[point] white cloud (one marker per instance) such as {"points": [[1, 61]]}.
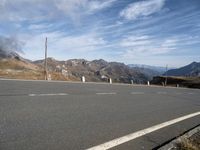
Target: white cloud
{"points": [[81, 43], [2, 3], [38, 26], [142, 46], [71, 8], [78, 8], [145, 47], [98, 5], [135, 41], [142, 9], [22, 10], [42, 10], [169, 44], [187, 40], [62, 46]]}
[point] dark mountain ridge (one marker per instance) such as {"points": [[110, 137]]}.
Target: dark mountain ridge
{"points": [[191, 70]]}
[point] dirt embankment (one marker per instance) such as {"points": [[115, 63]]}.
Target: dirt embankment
{"points": [[188, 141], [190, 82]]}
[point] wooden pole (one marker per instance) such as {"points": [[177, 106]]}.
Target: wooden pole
{"points": [[45, 61], [166, 75]]}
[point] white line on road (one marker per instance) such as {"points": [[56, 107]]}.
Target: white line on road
{"points": [[178, 93], [137, 93], [190, 93], [112, 93], [161, 92], [55, 94], [140, 133]]}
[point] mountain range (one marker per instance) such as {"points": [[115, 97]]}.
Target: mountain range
{"points": [[12, 65], [96, 70]]}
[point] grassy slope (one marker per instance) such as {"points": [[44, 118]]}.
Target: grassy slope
{"points": [[18, 69]]}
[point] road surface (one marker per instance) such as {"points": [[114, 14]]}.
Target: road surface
{"points": [[36, 115]]}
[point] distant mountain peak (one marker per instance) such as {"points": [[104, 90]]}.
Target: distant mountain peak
{"points": [[192, 69], [159, 69]]}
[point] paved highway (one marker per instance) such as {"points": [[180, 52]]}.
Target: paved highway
{"points": [[36, 115]]}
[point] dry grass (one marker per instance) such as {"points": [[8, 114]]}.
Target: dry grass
{"points": [[192, 143], [21, 74], [33, 75], [15, 69], [17, 65], [197, 79], [59, 76]]}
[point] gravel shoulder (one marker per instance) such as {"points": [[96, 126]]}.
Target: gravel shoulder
{"points": [[188, 141]]}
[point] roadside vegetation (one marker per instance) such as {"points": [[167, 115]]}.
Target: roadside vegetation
{"points": [[188, 144]]}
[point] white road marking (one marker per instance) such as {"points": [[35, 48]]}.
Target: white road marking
{"points": [[190, 93], [55, 94], [140, 133], [137, 93], [178, 93], [161, 92], [111, 93]]}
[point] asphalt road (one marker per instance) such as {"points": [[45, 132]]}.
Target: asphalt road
{"points": [[73, 116]]}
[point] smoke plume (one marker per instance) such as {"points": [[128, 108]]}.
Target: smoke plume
{"points": [[10, 46]]}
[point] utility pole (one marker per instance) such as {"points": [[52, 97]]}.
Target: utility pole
{"points": [[166, 75], [45, 61]]}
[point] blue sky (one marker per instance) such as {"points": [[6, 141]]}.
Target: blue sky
{"points": [[153, 32]]}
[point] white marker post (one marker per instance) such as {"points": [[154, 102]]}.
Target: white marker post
{"points": [[148, 83], [110, 81], [131, 81], [83, 79], [49, 77]]}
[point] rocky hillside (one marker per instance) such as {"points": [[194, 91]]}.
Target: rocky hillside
{"points": [[13, 65], [149, 73], [96, 70], [191, 70]]}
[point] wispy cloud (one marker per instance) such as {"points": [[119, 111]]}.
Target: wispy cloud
{"points": [[76, 9], [140, 47], [147, 46], [22, 10], [42, 10], [98, 5], [132, 41], [40, 27], [110, 29], [2, 3], [142, 9], [59, 43]]}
